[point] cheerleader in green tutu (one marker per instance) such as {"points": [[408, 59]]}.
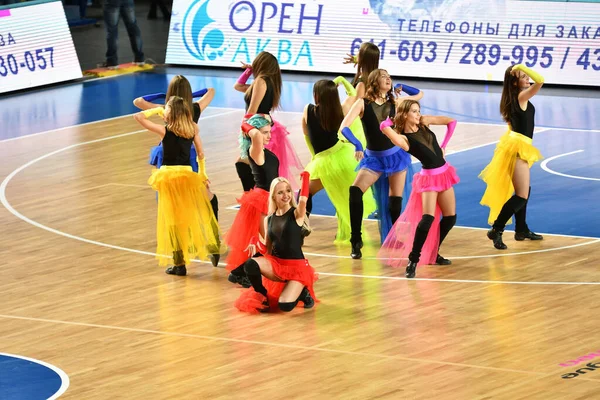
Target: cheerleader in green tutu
{"points": [[333, 163]]}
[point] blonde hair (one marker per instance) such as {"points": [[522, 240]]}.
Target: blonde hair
{"points": [[180, 118], [273, 204]]}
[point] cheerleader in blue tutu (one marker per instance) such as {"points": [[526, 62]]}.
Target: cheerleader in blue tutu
{"points": [[382, 165]]}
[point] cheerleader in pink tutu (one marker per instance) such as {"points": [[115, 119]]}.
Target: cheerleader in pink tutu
{"points": [[262, 96], [432, 192], [283, 277], [254, 204]]}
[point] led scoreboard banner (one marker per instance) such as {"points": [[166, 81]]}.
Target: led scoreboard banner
{"points": [[36, 47], [456, 39]]}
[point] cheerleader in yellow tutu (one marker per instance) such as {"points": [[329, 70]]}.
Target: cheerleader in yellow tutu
{"points": [[186, 227], [333, 164], [508, 171]]}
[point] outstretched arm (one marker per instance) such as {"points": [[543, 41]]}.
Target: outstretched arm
{"points": [[146, 102], [396, 138]]}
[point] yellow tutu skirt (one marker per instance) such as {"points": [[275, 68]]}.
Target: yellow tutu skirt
{"points": [[335, 167], [499, 172], [186, 226]]}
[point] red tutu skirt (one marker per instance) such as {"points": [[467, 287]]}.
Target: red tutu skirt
{"points": [[286, 270], [290, 165], [398, 243], [253, 205]]}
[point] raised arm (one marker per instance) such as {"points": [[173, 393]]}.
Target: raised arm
{"points": [[142, 119], [241, 85], [412, 92], [256, 146], [350, 90], [206, 96], [300, 211], [532, 90], [441, 120]]}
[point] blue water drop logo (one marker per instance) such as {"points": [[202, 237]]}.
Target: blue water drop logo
{"points": [[207, 43]]}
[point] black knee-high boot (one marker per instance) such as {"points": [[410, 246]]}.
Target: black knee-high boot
{"points": [[446, 224], [521, 216], [245, 174], [395, 207], [420, 236], [522, 231], [215, 252], [512, 206], [253, 272], [356, 215]]}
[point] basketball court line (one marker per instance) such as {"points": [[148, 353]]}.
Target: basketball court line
{"points": [[316, 348], [9, 207], [544, 166]]}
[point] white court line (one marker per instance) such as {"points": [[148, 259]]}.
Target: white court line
{"points": [[103, 120], [544, 166], [399, 278], [316, 348], [65, 382]]}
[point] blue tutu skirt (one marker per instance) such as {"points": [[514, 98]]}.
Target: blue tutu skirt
{"points": [[156, 157], [387, 162]]}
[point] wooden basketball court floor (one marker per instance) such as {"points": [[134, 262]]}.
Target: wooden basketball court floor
{"points": [[82, 291]]}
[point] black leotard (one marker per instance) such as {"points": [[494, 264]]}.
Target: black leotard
{"points": [[285, 235]]}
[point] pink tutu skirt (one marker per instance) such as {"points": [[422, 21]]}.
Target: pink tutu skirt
{"points": [[286, 270], [290, 165], [398, 243], [253, 205]]}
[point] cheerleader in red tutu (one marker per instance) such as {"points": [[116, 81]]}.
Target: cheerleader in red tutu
{"points": [[262, 96], [254, 204], [283, 277], [432, 192]]}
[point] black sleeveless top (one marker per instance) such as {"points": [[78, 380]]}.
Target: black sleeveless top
{"points": [[424, 146], [176, 150], [266, 104], [373, 115], [523, 121], [320, 139], [264, 174], [286, 236], [196, 112]]}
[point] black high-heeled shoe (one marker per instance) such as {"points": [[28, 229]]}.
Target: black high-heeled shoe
{"points": [[520, 236], [356, 246], [439, 260], [496, 237], [306, 298], [411, 269], [178, 270]]}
